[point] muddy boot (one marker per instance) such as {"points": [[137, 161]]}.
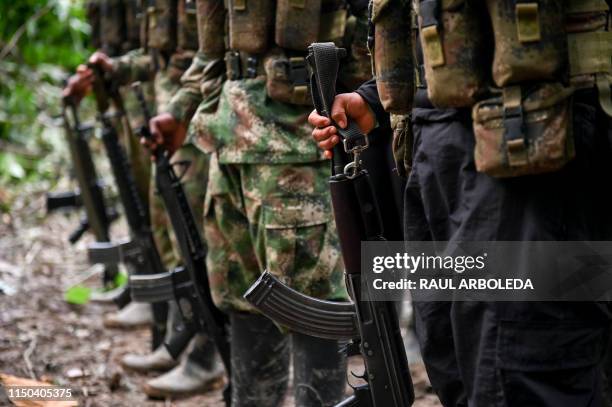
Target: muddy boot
{"points": [[160, 360], [165, 356], [319, 371], [199, 372], [260, 361], [133, 315]]}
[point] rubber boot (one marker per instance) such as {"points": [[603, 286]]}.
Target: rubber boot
{"points": [[319, 371], [165, 356], [199, 372], [133, 315], [260, 361]]}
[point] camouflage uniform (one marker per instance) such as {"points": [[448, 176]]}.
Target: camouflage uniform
{"points": [[164, 73], [117, 33], [267, 207]]}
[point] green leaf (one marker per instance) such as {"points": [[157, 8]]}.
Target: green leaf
{"points": [[121, 279], [78, 295]]}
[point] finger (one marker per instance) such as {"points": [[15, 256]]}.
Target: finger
{"points": [[323, 134], [329, 143], [339, 112], [317, 120], [156, 134], [328, 154]]}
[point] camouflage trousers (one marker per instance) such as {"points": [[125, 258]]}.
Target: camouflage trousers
{"points": [[270, 217]]}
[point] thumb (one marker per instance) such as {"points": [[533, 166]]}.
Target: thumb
{"points": [[338, 111]]}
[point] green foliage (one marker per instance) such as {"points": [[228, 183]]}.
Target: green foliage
{"points": [[41, 41]]}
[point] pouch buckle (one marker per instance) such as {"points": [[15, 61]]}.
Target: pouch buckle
{"points": [[252, 62], [514, 126], [233, 65]]}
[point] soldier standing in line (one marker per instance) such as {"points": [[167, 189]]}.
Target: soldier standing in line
{"points": [[267, 192], [170, 41], [494, 79]]}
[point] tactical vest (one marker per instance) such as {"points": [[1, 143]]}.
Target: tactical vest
{"points": [[211, 18], [271, 38], [515, 63], [171, 25], [92, 9], [112, 26], [133, 16]]}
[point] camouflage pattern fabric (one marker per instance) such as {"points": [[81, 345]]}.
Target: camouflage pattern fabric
{"points": [[249, 127], [137, 154], [270, 217]]}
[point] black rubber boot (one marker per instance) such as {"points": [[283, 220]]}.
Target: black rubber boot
{"points": [[178, 334], [319, 371], [260, 361]]}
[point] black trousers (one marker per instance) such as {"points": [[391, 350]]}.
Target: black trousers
{"points": [[511, 354]]}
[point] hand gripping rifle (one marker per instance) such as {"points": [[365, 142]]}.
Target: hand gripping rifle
{"points": [[140, 253], [372, 327], [98, 217], [189, 284]]}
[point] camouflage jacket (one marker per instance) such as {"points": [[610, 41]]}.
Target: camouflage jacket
{"points": [[139, 65], [248, 126]]}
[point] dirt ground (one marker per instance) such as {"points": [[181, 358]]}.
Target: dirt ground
{"points": [[44, 338]]}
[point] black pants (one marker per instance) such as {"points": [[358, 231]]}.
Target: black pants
{"points": [[510, 354]]}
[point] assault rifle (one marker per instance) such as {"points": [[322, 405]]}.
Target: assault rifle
{"points": [[139, 253], [189, 284], [372, 327], [98, 217]]}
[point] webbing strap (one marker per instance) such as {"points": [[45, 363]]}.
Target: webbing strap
{"points": [[429, 11], [528, 21], [514, 126], [605, 95], [590, 52], [585, 6]]}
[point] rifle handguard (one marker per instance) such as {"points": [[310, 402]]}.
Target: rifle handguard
{"points": [[301, 313]]}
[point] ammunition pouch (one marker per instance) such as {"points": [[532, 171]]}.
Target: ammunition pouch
{"points": [[250, 23], [297, 23], [92, 10], [287, 78], [162, 25], [133, 16], [112, 26], [187, 31], [521, 134], [211, 22], [590, 48], [454, 42], [391, 51], [530, 41]]}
